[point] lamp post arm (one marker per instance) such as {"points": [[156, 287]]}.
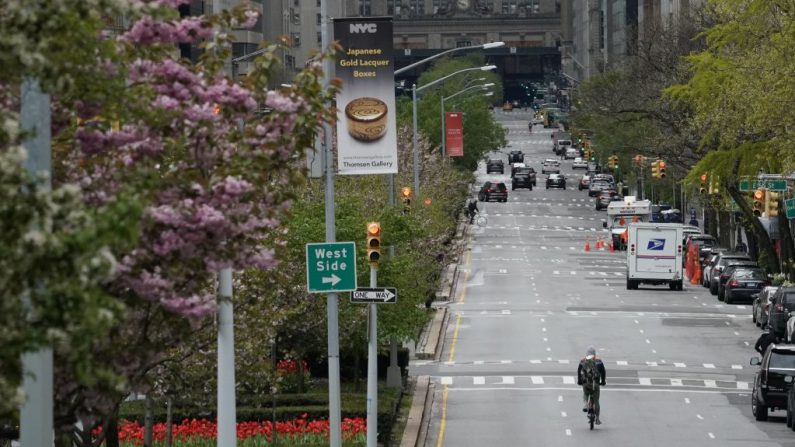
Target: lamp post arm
{"points": [[451, 50], [482, 86], [432, 83]]}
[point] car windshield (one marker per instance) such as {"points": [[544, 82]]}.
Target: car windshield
{"points": [[750, 274], [782, 360], [498, 186]]}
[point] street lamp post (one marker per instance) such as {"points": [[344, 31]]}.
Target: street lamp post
{"points": [[414, 91], [480, 86]]}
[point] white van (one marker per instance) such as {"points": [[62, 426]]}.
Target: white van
{"points": [[654, 255]]}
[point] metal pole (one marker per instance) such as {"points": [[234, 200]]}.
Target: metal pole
{"points": [[36, 416], [226, 362], [372, 367], [332, 305], [414, 141], [442, 140]]}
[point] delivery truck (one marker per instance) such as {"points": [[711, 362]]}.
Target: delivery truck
{"points": [[621, 213], [654, 254]]}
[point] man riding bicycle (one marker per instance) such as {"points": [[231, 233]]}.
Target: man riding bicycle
{"points": [[591, 375], [472, 209]]}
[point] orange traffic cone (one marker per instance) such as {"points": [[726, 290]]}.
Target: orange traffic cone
{"points": [[602, 244], [696, 277], [587, 245], [611, 247]]}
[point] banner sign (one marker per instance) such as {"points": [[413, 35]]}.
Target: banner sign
{"points": [[454, 134], [366, 124]]}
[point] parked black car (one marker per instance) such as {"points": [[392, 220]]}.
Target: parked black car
{"points": [[720, 264], [556, 181], [782, 303], [515, 157], [770, 388], [495, 166], [744, 283], [523, 178], [493, 191], [729, 271]]}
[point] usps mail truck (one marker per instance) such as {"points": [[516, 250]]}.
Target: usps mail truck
{"points": [[654, 254]]}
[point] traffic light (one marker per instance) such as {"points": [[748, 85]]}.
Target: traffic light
{"points": [[405, 194], [373, 243], [759, 202], [661, 168], [615, 162], [771, 204], [703, 188], [655, 169]]}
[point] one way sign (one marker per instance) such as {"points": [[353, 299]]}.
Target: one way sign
{"points": [[375, 295]]}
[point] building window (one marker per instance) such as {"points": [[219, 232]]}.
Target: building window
{"points": [[296, 39], [295, 16], [319, 38], [485, 5], [509, 6], [319, 19], [240, 49], [417, 7], [297, 3], [439, 6], [365, 7], [318, 3], [390, 7], [463, 43], [289, 61]]}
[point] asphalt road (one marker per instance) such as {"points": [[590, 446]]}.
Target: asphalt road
{"points": [[531, 300]]}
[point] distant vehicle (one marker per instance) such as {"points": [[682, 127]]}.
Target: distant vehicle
{"points": [[585, 181], [722, 262], [781, 304], [529, 175], [605, 197], [622, 213], [515, 157], [654, 254], [596, 186], [709, 262], [744, 283], [579, 163], [571, 153], [726, 274], [493, 191], [760, 310], [556, 181], [495, 166], [771, 385], [523, 178], [550, 166]]}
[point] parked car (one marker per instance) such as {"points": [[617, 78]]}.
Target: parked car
{"points": [[550, 166], [579, 163], [605, 197], [597, 186], [606, 177], [585, 181], [717, 268], [572, 153], [494, 165], [556, 181], [781, 304], [515, 157], [709, 262], [744, 283], [523, 178], [770, 388], [727, 272], [760, 309]]}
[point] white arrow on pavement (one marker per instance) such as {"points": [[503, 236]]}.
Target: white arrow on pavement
{"points": [[334, 279]]}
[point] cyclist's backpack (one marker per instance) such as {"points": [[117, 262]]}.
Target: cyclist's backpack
{"points": [[590, 373]]}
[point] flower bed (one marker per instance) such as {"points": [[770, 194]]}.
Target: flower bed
{"points": [[202, 432]]}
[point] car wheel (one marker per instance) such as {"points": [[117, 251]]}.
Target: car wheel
{"points": [[753, 315], [759, 411], [547, 186], [727, 297], [720, 295], [713, 289], [789, 415], [513, 188]]}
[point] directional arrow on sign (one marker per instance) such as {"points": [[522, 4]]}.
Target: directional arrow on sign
{"points": [[374, 295], [333, 279]]}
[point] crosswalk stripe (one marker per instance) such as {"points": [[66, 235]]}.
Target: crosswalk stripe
{"points": [[537, 380], [479, 380], [508, 380], [568, 380], [709, 365], [742, 385], [676, 382], [644, 381], [621, 363], [447, 380], [710, 384], [680, 365]]}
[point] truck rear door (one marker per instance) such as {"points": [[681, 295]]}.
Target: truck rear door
{"points": [[656, 250]]}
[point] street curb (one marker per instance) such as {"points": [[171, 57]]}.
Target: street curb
{"points": [[416, 416], [432, 335]]}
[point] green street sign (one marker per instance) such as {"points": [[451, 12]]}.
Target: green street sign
{"points": [[789, 206], [330, 267], [772, 185]]}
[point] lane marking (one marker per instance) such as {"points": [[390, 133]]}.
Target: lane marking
{"points": [[560, 398], [709, 365], [676, 382], [687, 400], [508, 380], [447, 380], [680, 365], [711, 435], [710, 384], [742, 385], [443, 423], [568, 432], [479, 380], [537, 380], [644, 381], [568, 380], [700, 417]]}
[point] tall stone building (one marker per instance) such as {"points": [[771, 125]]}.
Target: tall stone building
{"points": [[531, 30]]}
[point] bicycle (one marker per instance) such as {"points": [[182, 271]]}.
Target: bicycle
{"points": [[481, 220], [591, 412]]}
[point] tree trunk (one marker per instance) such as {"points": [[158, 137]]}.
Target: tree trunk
{"points": [[711, 225], [724, 229], [148, 421], [300, 376], [169, 428], [111, 429], [753, 246], [768, 253]]}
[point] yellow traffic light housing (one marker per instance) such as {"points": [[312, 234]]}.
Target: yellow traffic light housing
{"points": [[760, 198], [771, 203], [405, 194], [655, 169], [661, 168], [703, 188], [373, 243]]}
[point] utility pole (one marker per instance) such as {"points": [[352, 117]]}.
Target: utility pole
{"points": [[332, 303], [372, 366], [36, 416]]}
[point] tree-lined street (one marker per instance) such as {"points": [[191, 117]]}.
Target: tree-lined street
{"points": [[530, 301]]}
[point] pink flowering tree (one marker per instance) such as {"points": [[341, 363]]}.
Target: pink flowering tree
{"points": [[211, 160]]}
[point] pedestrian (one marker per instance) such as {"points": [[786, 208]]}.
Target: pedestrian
{"points": [[766, 339], [472, 209], [741, 247], [694, 222]]}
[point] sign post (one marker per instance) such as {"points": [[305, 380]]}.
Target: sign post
{"points": [[330, 267]]}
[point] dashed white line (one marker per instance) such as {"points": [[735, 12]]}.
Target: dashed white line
{"points": [[644, 381], [560, 398], [687, 400], [479, 380], [568, 380], [506, 362], [508, 380], [676, 382], [537, 380], [709, 365], [710, 384], [621, 363], [568, 432], [680, 365], [563, 414], [447, 380], [711, 435]]}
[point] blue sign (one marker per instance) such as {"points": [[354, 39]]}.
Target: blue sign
{"points": [[656, 244]]}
